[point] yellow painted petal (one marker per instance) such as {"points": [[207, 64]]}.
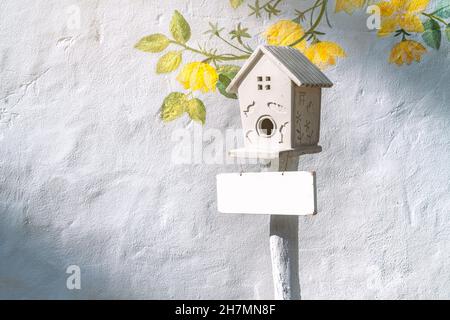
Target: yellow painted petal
{"points": [[284, 33], [411, 23], [324, 54], [400, 5], [388, 25], [348, 6], [198, 76], [195, 78], [417, 6], [386, 8], [210, 80], [406, 52], [183, 76]]}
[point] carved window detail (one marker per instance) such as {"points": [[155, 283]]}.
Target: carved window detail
{"points": [[263, 82]]}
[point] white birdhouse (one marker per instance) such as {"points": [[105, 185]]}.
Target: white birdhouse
{"points": [[279, 92]]}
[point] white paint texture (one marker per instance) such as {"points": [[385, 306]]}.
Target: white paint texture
{"points": [[86, 176]]}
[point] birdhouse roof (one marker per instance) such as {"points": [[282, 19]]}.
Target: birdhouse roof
{"points": [[291, 61]]}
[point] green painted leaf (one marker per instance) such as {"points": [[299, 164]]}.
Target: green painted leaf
{"points": [[447, 32], [444, 9], [223, 84], [226, 74], [196, 110], [169, 62], [153, 43], [173, 106], [432, 34], [179, 27], [236, 3], [443, 13]]}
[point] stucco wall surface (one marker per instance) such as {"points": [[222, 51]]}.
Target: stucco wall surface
{"points": [[87, 177]]}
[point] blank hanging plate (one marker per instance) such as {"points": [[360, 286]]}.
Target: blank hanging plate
{"points": [[276, 193]]}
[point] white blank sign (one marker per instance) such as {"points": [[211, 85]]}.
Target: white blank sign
{"points": [[288, 193]]}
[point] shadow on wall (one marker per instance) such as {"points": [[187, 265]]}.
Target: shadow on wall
{"points": [[34, 260], [38, 242]]}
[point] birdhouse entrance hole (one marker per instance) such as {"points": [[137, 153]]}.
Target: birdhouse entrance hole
{"points": [[266, 126]]}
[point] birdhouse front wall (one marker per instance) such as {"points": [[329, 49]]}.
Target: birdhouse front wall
{"points": [[265, 99], [306, 116]]}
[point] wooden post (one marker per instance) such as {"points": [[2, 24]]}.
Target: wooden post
{"points": [[284, 242]]}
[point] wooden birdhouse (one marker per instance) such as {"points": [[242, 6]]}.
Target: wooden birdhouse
{"points": [[279, 92]]}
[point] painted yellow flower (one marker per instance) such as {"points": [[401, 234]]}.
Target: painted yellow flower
{"points": [[407, 51], [198, 76], [401, 14], [349, 6], [285, 33], [324, 53]]}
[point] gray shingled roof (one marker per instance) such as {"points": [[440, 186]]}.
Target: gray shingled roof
{"points": [[296, 66]]}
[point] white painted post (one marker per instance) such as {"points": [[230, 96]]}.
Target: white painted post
{"points": [[284, 242]]}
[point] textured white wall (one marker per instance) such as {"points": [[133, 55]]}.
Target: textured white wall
{"points": [[86, 176]]}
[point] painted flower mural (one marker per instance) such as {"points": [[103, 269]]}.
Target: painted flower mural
{"points": [[401, 15], [285, 33], [407, 51], [410, 20], [324, 53], [198, 76]]}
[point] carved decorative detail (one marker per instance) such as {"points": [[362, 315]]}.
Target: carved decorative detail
{"points": [[247, 135], [301, 98], [250, 106], [298, 121], [276, 107], [310, 136], [307, 124], [282, 128]]}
